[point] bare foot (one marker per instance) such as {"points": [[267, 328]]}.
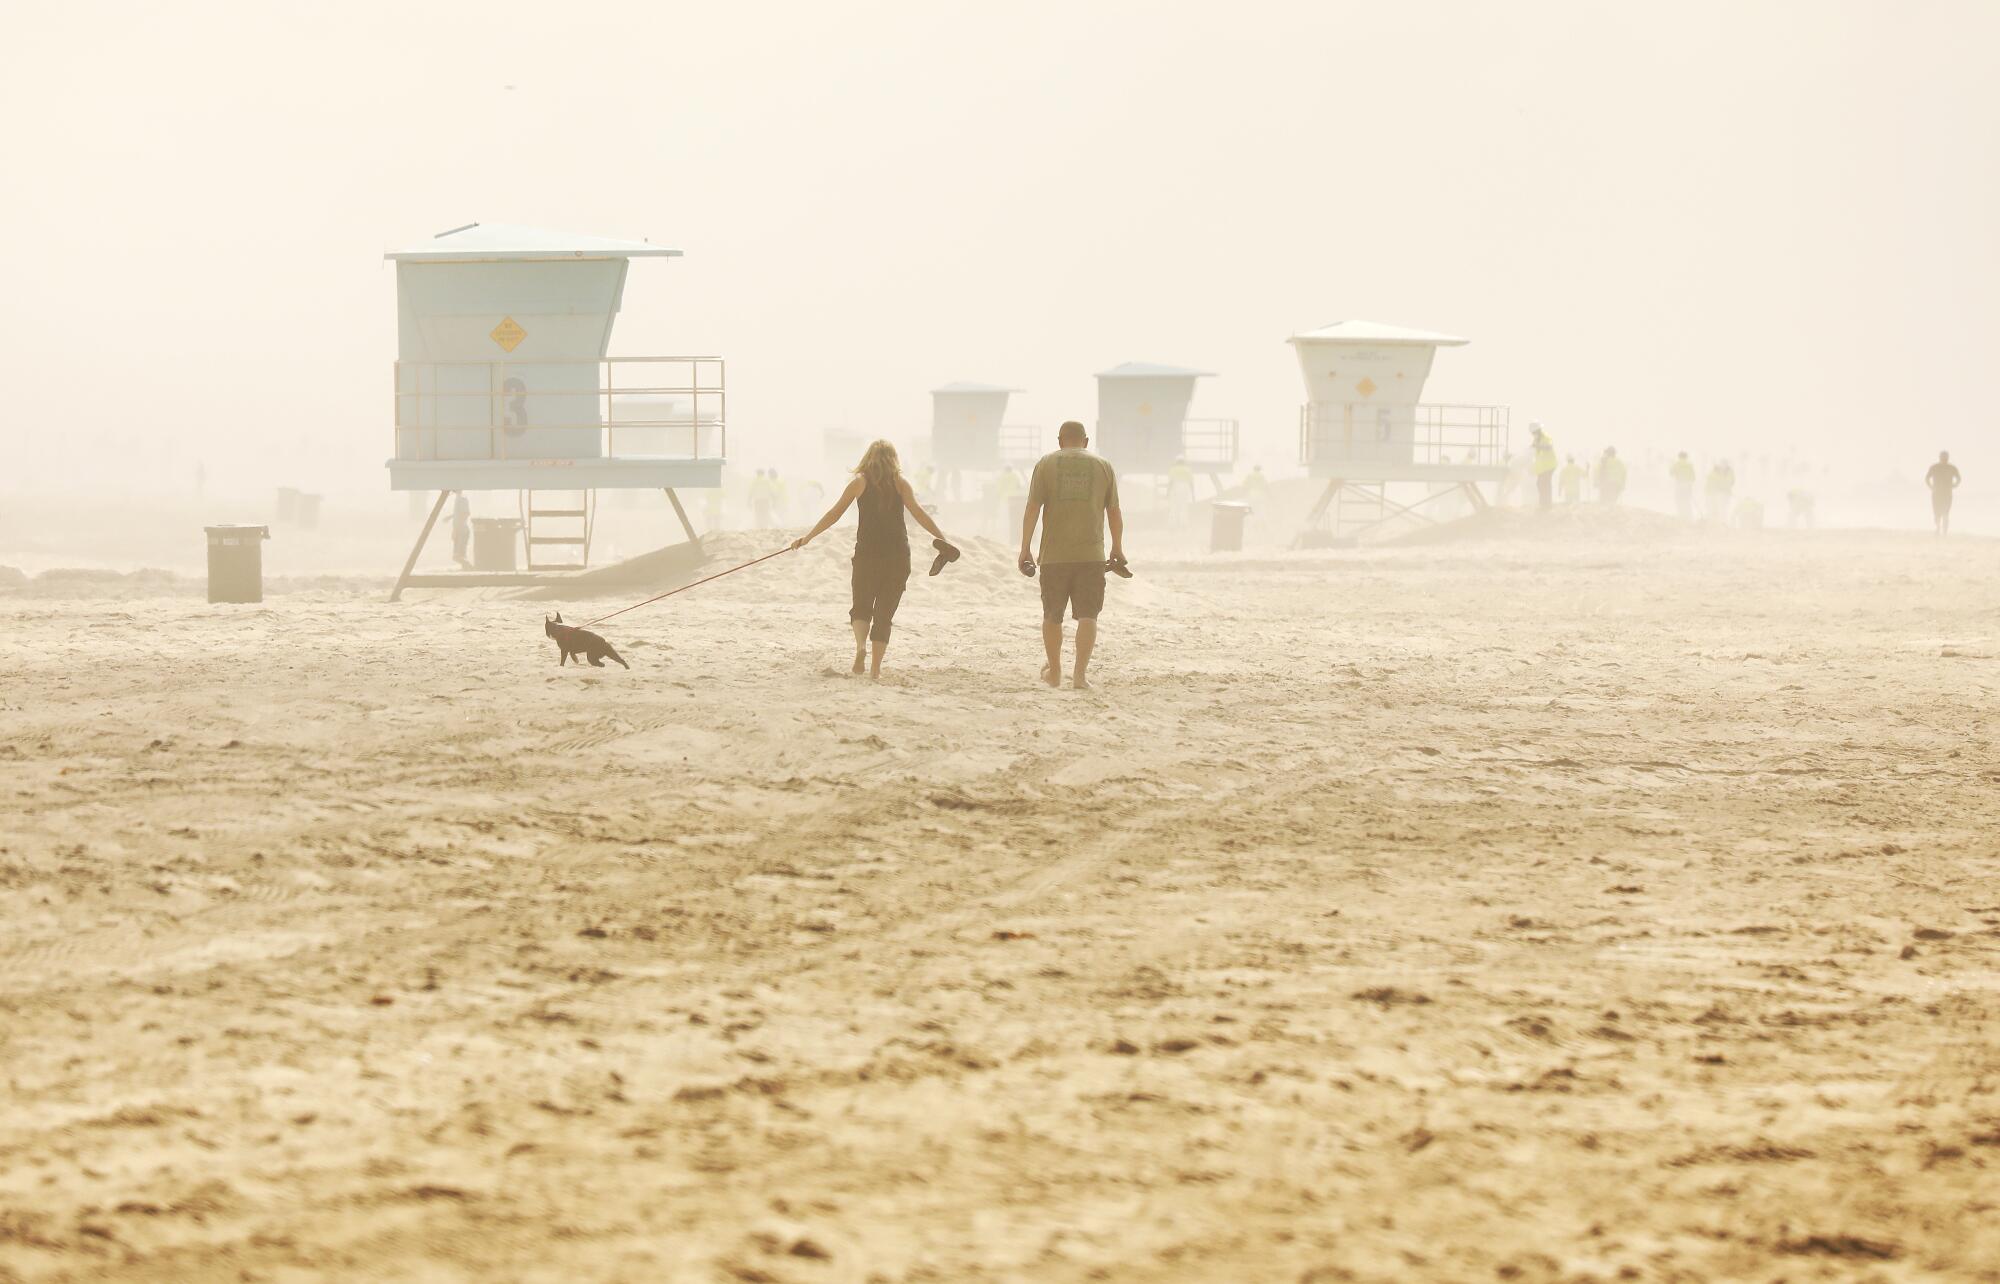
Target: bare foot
{"points": [[1078, 684], [860, 663], [1050, 677]]}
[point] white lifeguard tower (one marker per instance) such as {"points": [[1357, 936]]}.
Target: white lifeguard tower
{"points": [[1364, 425], [970, 432], [1143, 424], [505, 382]]}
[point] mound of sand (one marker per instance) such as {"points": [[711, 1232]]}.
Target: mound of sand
{"points": [[1577, 524]]}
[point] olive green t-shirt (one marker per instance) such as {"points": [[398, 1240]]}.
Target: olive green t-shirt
{"points": [[1074, 488]]}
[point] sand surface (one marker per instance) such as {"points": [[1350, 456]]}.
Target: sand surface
{"points": [[1580, 903]]}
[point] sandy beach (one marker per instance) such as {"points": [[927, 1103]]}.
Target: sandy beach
{"points": [[1582, 900]]}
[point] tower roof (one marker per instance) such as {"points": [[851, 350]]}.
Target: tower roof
{"points": [[1376, 332], [1147, 370], [505, 242], [963, 386]]}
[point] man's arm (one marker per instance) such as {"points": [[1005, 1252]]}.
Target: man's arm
{"points": [[1032, 510], [1115, 518], [1028, 517]]}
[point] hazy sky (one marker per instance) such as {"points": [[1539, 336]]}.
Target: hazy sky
{"points": [[1712, 224]]}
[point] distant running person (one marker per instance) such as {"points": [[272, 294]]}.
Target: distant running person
{"points": [[1943, 480], [881, 548], [1075, 493]]}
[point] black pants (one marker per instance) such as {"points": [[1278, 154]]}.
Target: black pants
{"points": [[878, 589]]}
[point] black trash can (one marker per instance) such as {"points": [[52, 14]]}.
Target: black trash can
{"points": [[493, 543], [236, 563], [1225, 531]]}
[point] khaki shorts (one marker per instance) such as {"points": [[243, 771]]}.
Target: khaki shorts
{"points": [[1076, 585]]}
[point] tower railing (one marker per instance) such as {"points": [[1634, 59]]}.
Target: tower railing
{"points": [[663, 407], [1209, 445], [1424, 435], [1022, 444]]}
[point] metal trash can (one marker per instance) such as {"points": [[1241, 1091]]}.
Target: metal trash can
{"points": [[1225, 530], [494, 540], [236, 563]]}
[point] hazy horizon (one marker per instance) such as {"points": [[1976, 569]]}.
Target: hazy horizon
{"points": [[1760, 228]]}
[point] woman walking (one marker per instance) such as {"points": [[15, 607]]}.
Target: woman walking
{"points": [[881, 548]]}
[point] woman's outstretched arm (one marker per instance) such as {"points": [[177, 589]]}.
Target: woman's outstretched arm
{"points": [[847, 497], [917, 510]]}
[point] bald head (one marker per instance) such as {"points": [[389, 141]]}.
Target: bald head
{"points": [[1072, 434]]}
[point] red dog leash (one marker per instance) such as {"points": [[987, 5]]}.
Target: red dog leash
{"points": [[685, 587]]}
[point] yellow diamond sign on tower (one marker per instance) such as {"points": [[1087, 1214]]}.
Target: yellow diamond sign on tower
{"points": [[1366, 387], [508, 334]]}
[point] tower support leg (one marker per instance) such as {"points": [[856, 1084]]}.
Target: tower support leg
{"points": [[682, 513], [1324, 502], [417, 549]]}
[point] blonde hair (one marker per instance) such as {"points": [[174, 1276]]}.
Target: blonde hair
{"points": [[879, 465]]}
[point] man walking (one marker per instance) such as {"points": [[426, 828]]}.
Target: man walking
{"points": [[1075, 494], [1943, 480]]}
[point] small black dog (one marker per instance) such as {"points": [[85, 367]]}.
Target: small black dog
{"points": [[571, 640]]}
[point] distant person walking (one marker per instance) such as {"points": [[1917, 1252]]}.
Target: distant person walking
{"points": [[1544, 451], [1572, 481], [1720, 486], [1075, 495], [1943, 479], [1180, 494], [1005, 487], [762, 491], [1682, 471], [1257, 487], [881, 548], [1610, 476], [461, 531]]}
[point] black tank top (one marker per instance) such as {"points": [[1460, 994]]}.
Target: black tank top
{"points": [[881, 534]]}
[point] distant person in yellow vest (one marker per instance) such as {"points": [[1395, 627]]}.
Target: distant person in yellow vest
{"points": [[1006, 488], [1610, 476], [1943, 479], [761, 492], [780, 497], [1572, 481], [1257, 487], [1544, 463], [1180, 494], [1720, 486], [1682, 471], [1800, 501]]}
